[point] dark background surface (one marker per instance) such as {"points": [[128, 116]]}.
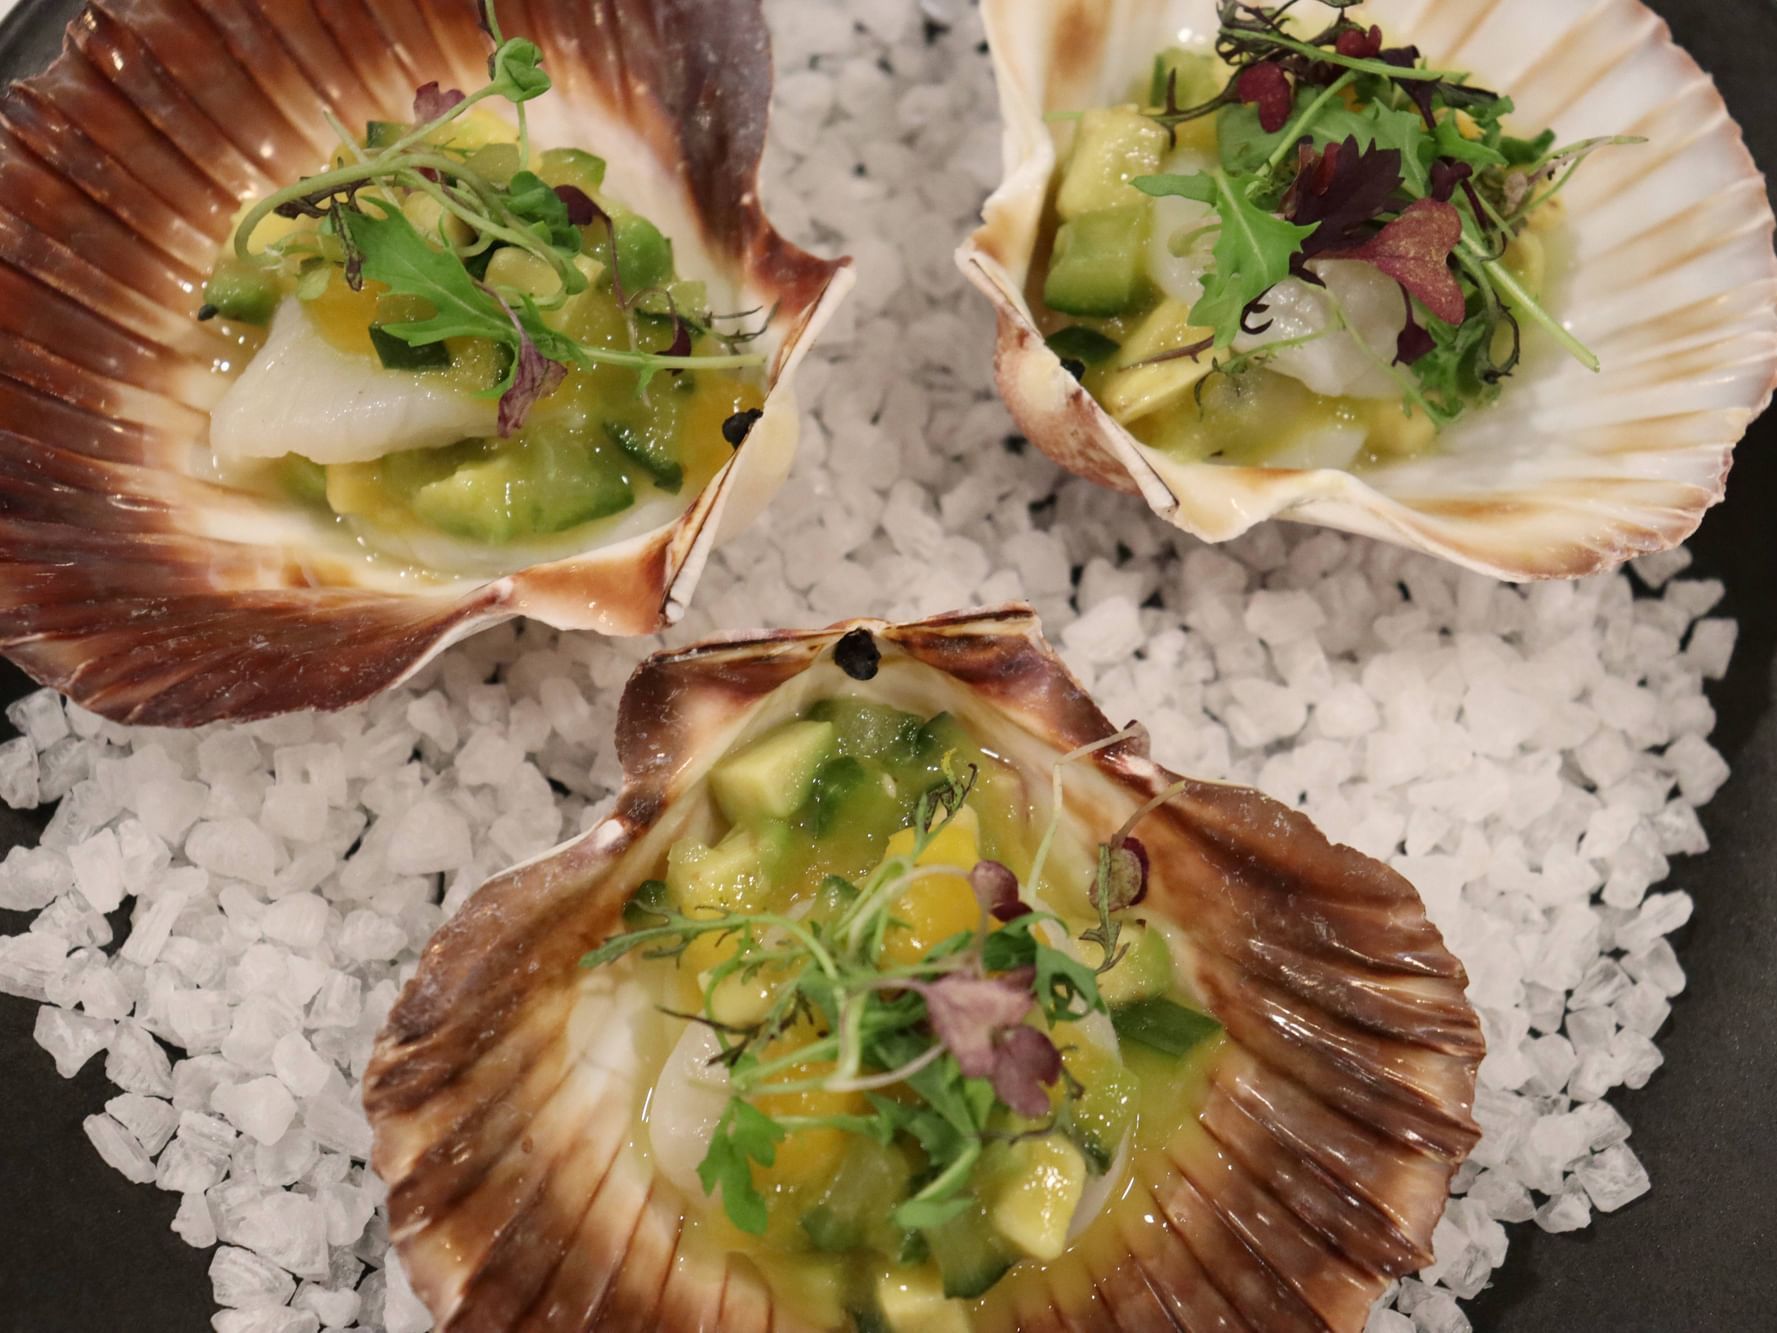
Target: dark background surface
{"points": [[83, 1250]]}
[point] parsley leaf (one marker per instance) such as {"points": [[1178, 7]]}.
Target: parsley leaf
{"points": [[744, 1135]]}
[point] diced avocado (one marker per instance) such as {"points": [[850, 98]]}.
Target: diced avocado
{"points": [[1099, 1118], [644, 256], [399, 354], [854, 1210], [1134, 389], [386, 133], [538, 484], [647, 904], [495, 162], [1164, 1025], [774, 775], [572, 166], [1145, 971], [652, 449], [243, 293], [1192, 75], [302, 480], [913, 1301], [970, 1255], [1034, 1194], [736, 873], [870, 731], [1113, 146], [1100, 264]]}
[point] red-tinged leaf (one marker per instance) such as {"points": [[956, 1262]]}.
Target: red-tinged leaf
{"points": [[996, 889], [1414, 250], [1025, 1063], [582, 211], [969, 1011], [1266, 86], [1360, 45], [431, 101], [1446, 176], [1415, 341], [1340, 192]]}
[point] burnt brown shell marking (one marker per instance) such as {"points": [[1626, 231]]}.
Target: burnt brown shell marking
{"points": [[151, 594], [1673, 284], [1318, 1164]]}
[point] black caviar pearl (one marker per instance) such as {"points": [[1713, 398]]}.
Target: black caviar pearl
{"points": [[857, 655], [736, 429]]}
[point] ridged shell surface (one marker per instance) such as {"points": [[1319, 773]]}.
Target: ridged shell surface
{"points": [[505, 1086], [148, 592], [1672, 282]]}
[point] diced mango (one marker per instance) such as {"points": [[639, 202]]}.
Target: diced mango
{"points": [[912, 1300], [1033, 1198], [1134, 390], [806, 1156], [934, 909]]}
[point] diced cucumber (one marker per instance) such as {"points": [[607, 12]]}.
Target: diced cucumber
{"points": [[1113, 146], [870, 731], [856, 797], [969, 1254], [913, 1301], [774, 775], [1164, 1025], [867, 1319], [386, 133], [302, 480], [243, 293], [854, 1210], [644, 255], [537, 484], [1033, 1197], [647, 904], [1197, 81], [1144, 972], [399, 354], [1100, 264], [572, 166], [736, 873], [1078, 343], [648, 448], [1099, 1118]]}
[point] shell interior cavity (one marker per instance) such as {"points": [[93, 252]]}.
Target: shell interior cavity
{"points": [[131, 577], [1672, 282], [1323, 1125]]}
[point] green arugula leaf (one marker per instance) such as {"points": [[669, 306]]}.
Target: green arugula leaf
{"points": [[1451, 144], [537, 204], [397, 255], [1379, 126], [518, 71], [744, 1135], [1066, 988], [1252, 252]]}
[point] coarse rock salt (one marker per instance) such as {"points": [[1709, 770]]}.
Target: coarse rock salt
{"points": [[1532, 757]]}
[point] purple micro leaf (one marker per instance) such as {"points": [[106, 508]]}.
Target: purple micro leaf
{"points": [[581, 209], [968, 1011], [1025, 1062], [1414, 250], [1342, 190], [430, 101], [1446, 176], [996, 889], [1415, 341], [681, 343], [536, 377]]}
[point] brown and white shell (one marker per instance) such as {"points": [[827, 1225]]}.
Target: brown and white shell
{"points": [[150, 593], [503, 1088], [1673, 284]]}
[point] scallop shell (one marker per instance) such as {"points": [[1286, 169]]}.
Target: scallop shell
{"points": [[1674, 285], [503, 1087], [151, 594]]}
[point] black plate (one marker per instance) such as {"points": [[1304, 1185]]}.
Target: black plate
{"points": [[82, 1249]]}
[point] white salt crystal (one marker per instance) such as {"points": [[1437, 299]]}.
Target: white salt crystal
{"points": [[153, 927], [70, 1038], [347, 1209], [31, 878], [295, 810], [119, 1148], [243, 1280], [1660, 915], [227, 753], [193, 1223], [18, 774], [150, 1119], [169, 807], [262, 1108], [1106, 633], [1383, 1320], [403, 1312], [233, 848], [337, 1124], [1263, 712], [286, 1161], [368, 937], [136, 1062], [200, 1019], [98, 871], [334, 1309], [338, 1002], [284, 1227], [39, 717], [298, 920], [488, 759], [296, 1064], [1711, 647], [432, 836], [1699, 769], [1613, 1178], [1657, 965], [258, 1022], [1280, 617], [187, 1170], [1565, 1212], [1345, 712]]}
